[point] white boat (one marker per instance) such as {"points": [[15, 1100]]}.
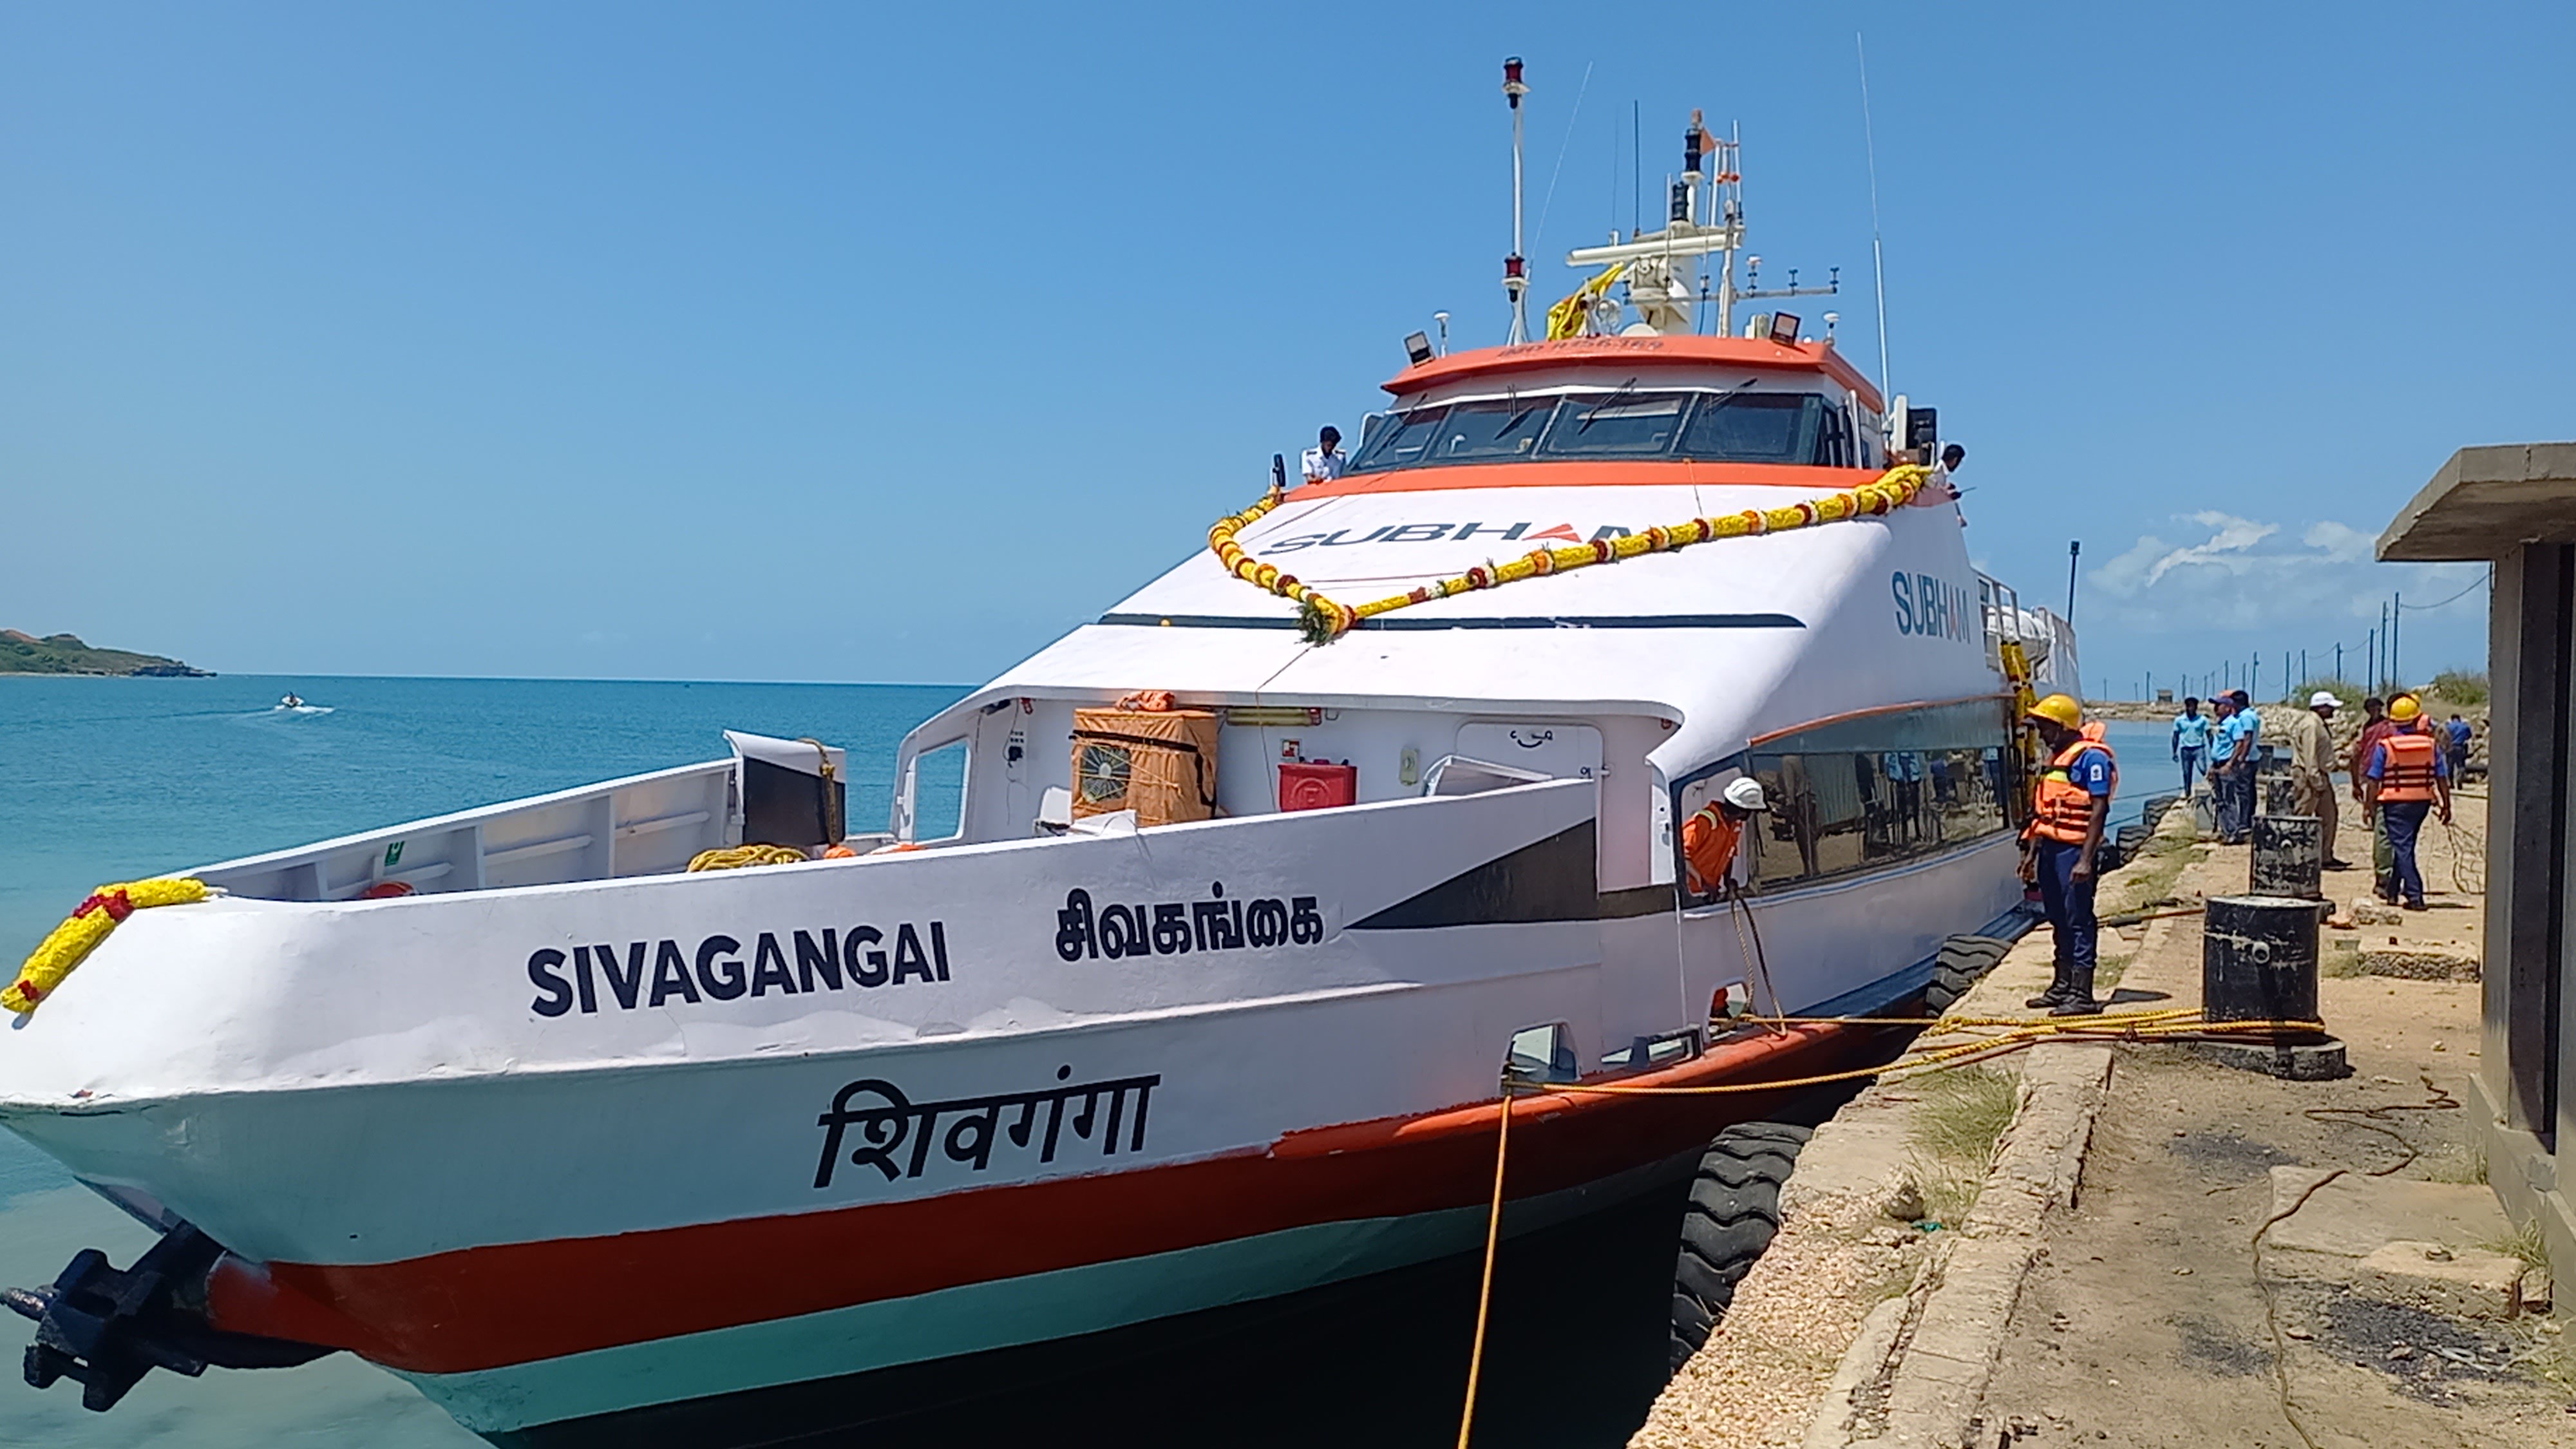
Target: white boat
{"points": [[595, 1149]]}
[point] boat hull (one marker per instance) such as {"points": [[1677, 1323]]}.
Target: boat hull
{"points": [[560, 1218]]}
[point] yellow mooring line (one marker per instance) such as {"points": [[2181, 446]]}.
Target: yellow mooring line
{"points": [[2017, 1034]]}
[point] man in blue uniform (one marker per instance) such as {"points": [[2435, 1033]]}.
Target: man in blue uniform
{"points": [[2190, 740], [2231, 766], [2069, 804]]}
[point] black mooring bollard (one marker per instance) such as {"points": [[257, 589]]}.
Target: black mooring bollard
{"points": [[2289, 857], [2258, 962], [2258, 959]]}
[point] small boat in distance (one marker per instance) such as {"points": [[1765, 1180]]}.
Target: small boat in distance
{"points": [[291, 701]]}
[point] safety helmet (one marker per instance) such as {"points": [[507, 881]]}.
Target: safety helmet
{"points": [[2060, 710], [2404, 709], [1745, 793]]}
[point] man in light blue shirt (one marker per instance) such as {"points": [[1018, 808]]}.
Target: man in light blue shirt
{"points": [[2190, 739], [2231, 765]]}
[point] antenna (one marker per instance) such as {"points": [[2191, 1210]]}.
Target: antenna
{"points": [[1877, 251], [1515, 270], [1636, 169]]}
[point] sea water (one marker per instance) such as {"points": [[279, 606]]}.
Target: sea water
{"points": [[114, 779]]}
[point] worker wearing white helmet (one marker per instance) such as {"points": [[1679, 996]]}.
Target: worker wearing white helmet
{"points": [[1711, 835]]}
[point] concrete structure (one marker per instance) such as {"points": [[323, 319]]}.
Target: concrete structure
{"points": [[2516, 506]]}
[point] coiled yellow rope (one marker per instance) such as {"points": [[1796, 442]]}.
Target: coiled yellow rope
{"points": [[81, 932], [1322, 620], [744, 855]]}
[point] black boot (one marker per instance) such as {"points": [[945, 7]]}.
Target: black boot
{"points": [[2078, 999], [2055, 993]]}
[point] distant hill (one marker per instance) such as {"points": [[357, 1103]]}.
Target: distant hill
{"points": [[22, 653]]}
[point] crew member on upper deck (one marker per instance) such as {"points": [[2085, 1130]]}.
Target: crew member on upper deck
{"points": [[1325, 461], [2072, 799], [1711, 835]]}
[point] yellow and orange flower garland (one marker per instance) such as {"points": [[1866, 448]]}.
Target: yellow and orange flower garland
{"points": [[73, 940], [1322, 620]]}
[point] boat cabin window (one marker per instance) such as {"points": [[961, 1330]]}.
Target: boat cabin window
{"points": [[1858, 794], [1714, 427], [939, 792], [1621, 425], [1492, 432], [1396, 440]]}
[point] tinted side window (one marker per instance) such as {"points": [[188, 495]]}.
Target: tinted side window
{"points": [[1863, 793], [1833, 438]]}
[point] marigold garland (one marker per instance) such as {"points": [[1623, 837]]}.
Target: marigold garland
{"points": [[1322, 620], [88, 925]]}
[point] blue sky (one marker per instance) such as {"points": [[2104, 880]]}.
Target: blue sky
{"points": [[813, 342]]}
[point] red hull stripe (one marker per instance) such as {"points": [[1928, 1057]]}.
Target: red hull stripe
{"points": [[489, 1307]]}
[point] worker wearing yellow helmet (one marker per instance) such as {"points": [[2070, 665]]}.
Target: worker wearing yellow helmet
{"points": [[2072, 799], [2405, 779]]}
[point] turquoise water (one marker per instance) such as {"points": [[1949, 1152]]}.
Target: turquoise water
{"points": [[110, 779]]}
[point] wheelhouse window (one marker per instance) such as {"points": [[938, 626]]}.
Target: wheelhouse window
{"points": [[1808, 429], [1860, 794], [1396, 440], [1761, 427], [1495, 431], [1621, 425]]}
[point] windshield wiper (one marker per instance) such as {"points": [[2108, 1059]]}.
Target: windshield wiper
{"points": [[1728, 396], [1627, 389]]}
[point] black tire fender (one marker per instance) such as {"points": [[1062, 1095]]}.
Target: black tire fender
{"points": [[1732, 1214], [1961, 963]]}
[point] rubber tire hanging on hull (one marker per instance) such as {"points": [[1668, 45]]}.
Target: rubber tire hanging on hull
{"points": [[1733, 1213], [1962, 961]]}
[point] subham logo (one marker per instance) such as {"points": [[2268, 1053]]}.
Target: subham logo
{"points": [[1560, 534], [1929, 607]]}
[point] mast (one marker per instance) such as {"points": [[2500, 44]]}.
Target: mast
{"points": [[1706, 221], [1515, 269]]}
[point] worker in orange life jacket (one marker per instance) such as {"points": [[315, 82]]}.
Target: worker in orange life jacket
{"points": [[2069, 804], [1711, 835], [2404, 780]]}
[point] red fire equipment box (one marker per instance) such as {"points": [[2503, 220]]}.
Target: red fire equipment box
{"points": [[1305, 786]]}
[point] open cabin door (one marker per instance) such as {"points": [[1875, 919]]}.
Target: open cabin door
{"points": [[793, 792]]}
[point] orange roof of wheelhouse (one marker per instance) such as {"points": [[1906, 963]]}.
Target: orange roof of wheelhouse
{"points": [[1657, 351]]}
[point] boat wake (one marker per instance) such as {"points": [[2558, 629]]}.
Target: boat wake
{"points": [[299, 709]]}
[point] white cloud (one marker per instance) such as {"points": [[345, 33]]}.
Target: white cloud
{"points": [[2340, 541], [2248, 574], [2229, 548]]}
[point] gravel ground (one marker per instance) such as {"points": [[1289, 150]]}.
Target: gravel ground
{"points": [[1762, 1374]]}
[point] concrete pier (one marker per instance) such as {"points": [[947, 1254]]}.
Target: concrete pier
{"points": [[2101, 1287]]}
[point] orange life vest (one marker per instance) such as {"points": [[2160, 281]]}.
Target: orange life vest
{"points": [[2060, 807], [2406, 773], [1708, 845]]}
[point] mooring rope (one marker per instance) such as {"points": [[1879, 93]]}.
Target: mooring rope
{"points": [[2017, 1034]]}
